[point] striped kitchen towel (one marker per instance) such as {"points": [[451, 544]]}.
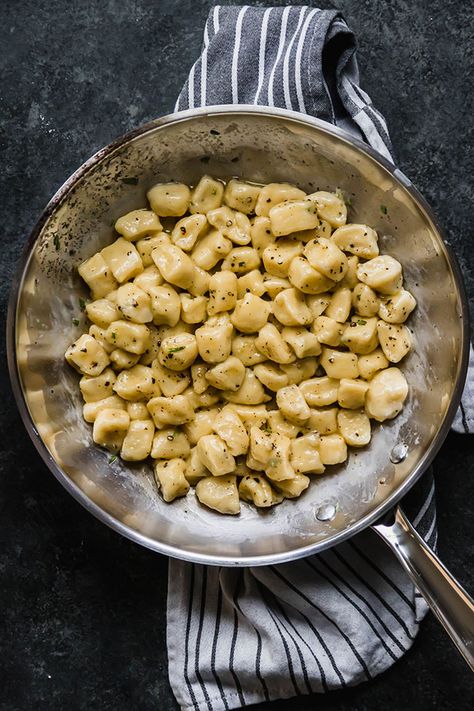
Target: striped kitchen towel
{"points": [[240, 636]]}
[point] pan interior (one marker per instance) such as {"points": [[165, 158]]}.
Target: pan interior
{"points": [[262, 147]]}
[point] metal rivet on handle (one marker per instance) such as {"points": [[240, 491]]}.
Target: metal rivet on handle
{"points": [[398, 453], [326, 512]]}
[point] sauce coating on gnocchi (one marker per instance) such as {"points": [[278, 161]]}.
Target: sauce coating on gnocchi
{"points": [[243, 337]]}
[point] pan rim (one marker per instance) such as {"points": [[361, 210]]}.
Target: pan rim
{"points": [[107, 518]]}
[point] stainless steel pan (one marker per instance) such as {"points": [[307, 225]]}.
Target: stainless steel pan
{"points": [[263, 145]]}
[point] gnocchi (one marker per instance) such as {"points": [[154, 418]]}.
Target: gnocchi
{"points": [[242, 337]]}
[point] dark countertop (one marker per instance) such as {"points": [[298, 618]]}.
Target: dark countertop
{"points": [[83, 610]]}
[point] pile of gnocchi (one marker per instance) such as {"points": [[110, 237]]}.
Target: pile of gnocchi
{"points": [[242, 336]]}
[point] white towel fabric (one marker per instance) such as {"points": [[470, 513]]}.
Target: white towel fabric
{"points": [[464, 419], [237, 636], [240, 636]]}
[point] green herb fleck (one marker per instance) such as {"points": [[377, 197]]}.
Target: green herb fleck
{"points": [[82, 304], [383, 209], [130, 181], [57, 243], [347, 200], [175, 350], [75, 321], [114, 335], [361, 322], [112, 459]]}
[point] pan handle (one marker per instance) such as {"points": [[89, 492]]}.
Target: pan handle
{"points": [[451, 604]]}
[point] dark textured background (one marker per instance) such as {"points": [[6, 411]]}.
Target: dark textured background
{"points": [[83, 610]]}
